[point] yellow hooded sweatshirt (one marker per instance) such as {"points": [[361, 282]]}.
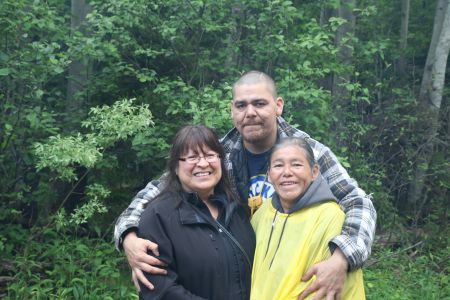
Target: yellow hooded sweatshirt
{"points": [[287, 245]]}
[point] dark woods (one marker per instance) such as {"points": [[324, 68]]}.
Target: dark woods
{"points": [[92, 93]]}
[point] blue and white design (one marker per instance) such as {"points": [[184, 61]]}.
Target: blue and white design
{"points": [[256, 183]]}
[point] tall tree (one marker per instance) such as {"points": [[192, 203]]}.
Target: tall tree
{"points": [[76, 99], [78, 70], [430, 98], [403, 37], [340, 94]]}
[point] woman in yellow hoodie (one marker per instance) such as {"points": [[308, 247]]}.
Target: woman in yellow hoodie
{"points": [[294, 227]]}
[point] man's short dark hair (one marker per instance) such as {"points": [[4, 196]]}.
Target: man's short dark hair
{"points": [[255, 77]]}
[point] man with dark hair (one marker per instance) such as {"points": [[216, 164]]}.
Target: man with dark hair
{"points": [[256, 111]]}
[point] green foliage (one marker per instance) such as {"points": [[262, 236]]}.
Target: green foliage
{"points": [[51, 263], [398, 276], [64, 155], [204, 106], [60, 266], [179, 60], [107, 126], [118, 122], [95, 193], [61, 153], [32, 60]]}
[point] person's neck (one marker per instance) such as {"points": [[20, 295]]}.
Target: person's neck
{"points": [[204, 196], [285, 206], [213, 209]]}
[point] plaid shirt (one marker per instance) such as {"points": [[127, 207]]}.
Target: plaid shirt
{"points": [[359, 227]]}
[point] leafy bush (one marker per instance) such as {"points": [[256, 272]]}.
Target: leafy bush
{"points": [[400, 275], [59, 175], [61, 265]]}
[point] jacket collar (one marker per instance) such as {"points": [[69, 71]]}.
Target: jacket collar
{"points": [[192, 207]]}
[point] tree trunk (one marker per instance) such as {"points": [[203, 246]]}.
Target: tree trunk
{"points": [[76, 102], [403, 38], [77, 79], [233, 60], [339, 93], [430, 98], [326, 12]]}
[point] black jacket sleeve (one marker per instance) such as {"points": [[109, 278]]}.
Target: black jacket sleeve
{"points": [[152, 227]]}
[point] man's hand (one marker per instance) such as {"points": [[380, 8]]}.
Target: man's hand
{"points": [[140, 262], [330, 278]]}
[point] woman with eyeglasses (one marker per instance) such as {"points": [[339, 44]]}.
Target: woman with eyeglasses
{"points": [[204, 234]]}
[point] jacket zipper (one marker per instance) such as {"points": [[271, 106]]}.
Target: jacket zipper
{"points": [[231, 237], [227, 233]]}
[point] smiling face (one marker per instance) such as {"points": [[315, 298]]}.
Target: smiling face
{"points": [[254, 111], [200, 177], [291, 174]]}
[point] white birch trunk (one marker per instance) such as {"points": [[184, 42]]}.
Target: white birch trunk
{"points": [[430, 98]]}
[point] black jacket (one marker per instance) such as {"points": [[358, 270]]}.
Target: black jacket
{"points": [[203, 262]]}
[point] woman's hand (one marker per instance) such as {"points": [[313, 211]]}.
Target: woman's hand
{"points": [[136, 251], [330, 278]]}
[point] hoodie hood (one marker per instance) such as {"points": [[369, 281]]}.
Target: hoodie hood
{"points": [[317, 192]]}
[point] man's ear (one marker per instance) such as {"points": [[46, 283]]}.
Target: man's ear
{"points": [[280, 104]]}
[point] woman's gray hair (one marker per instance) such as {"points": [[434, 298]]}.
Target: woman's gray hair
{"points": [[295, 141]]}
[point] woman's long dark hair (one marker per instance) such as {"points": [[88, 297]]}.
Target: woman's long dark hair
{"points": [[195, 137]]}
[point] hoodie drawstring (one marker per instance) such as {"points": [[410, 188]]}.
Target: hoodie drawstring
{"points": [[279, 240]]}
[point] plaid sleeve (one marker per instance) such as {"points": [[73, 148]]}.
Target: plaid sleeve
{"points": [[130, 217], [359, 226]]}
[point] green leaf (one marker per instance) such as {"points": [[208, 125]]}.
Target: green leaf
{"points": [[58, 70], [4, 72]]}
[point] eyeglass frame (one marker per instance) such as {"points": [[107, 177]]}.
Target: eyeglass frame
{"points": [[215, 157]]}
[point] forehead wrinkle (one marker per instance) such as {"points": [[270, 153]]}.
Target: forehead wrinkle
{"points": [[300, 157], [250, 101], [270, 88]]}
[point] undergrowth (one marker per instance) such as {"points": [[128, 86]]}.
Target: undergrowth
{"points": [[403, 275], [53, 265], [50, 265]]}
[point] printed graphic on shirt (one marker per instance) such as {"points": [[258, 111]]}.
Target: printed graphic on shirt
{"points": [[256, 183]]}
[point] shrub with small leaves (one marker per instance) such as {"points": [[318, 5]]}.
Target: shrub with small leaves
{"points": [[107, 125]]}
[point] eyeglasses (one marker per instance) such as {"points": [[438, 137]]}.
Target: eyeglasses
{"points": [[210, 158]]}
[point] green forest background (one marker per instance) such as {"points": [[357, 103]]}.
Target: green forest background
{"points": [[92, 93]]}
